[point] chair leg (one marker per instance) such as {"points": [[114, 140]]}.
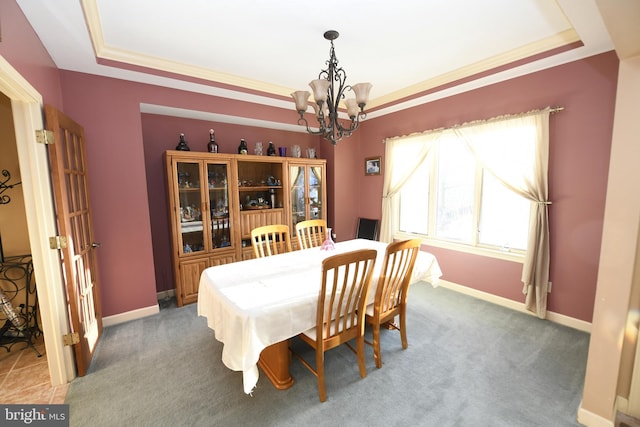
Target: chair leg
{"points": [[360, 353], [376, 345], [403, 327], [322, 392]]}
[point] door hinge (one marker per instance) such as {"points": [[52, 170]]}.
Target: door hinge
{"points": [[58, 242], [71, 338], [44, 136]]}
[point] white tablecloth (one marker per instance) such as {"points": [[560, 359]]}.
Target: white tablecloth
{"points": [[255, 303]]}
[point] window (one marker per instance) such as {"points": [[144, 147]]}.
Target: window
{"points": [[414, 202], [453, 197]]}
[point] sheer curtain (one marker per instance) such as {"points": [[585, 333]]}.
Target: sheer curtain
{"points": [[498, 156], [530, 180], [403, 155]]}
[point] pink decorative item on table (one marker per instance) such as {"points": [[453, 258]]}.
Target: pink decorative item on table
{"points": [[328, 244]]}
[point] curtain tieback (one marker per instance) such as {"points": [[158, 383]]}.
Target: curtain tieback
{"points": [[544, 203]]}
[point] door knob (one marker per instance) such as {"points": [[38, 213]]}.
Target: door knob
{"points": [[96, 245]]}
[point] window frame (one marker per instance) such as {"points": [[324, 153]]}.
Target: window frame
{"points": [[430, 239]]}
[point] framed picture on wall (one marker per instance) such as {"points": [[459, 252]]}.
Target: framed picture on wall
{"points": [[372, 166]]}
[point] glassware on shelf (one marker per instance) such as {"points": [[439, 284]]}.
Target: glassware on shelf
{"points": [[258, 150], [328, 244]]}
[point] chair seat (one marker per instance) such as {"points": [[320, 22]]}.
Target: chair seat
{"points": [[370, 310], [313, 333]]}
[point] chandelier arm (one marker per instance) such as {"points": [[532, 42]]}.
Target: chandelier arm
{"points": [[303, 121]]}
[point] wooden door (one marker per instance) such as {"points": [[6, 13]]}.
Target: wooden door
{"points": [[69, 179]]}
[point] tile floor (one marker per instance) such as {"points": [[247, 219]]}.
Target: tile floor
{"points": [[24, 377]]}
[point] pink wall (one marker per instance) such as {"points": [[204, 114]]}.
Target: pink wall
{"points": [[22, 48], [347, 192], [109, 112], [580, 138]]}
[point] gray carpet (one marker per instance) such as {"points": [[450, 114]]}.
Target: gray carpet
{"points": [[469, 363]]}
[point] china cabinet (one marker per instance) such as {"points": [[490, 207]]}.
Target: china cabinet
{"points": [[307, 192], [202, 223], [216, 199]]}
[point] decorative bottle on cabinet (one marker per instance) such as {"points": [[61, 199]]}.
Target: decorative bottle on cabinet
{"points": [[212, 147], [182, 145], [271, 151], [242, 149]]}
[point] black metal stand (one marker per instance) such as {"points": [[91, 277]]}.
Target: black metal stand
{"points": [[18, 287]]}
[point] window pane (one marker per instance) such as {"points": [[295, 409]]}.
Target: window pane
{"points": [[414, 203], [504, 215], [456, 176]]}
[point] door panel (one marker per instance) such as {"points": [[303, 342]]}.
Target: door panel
{"points": [[69, 179], [190, 272]]}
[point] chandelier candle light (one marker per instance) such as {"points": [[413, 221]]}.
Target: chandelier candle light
{"points": [[328, 91]]}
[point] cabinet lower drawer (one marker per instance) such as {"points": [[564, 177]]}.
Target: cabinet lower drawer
{"points": [[222, 259], [252, 219]]}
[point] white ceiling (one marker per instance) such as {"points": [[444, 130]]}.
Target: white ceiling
{"points": [[276, 47]]}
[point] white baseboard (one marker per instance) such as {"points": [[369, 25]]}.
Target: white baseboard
{"points": [[166, 294], [590, 419], [130, 315], [139, 313], [561, 319]]}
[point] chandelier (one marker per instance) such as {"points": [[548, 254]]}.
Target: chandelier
{"points": [[328, 91]]}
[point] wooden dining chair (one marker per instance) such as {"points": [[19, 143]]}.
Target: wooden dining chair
{"points": [[311, 233], [340, 313], [391, 293], [270, 240]]}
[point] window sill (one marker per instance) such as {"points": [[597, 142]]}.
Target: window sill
{"points": [[491, 253]]}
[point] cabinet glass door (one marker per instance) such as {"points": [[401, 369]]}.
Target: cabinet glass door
{"points": [[298, 201], [190, 207], [217, 182], [315, 192], [306, 193]]}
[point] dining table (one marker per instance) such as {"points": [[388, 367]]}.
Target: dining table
{"points": [[255, 306]]}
